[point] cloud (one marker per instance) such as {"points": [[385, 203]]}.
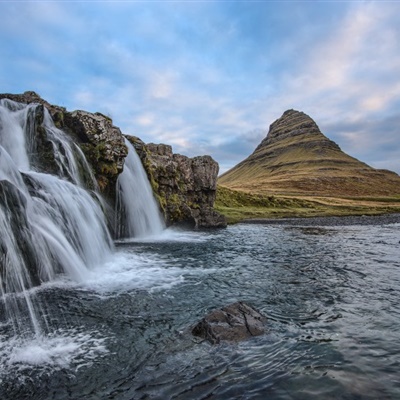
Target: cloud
{"points": [[205, 76], [348, 77]]}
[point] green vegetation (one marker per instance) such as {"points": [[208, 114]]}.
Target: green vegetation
{"points": [[237, 205], [105, 171], [390, 199]]}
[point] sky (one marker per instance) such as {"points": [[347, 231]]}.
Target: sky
{"points": [[209, 77]]}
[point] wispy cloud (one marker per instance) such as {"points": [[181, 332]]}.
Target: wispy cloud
{"points": [[204, 76]]}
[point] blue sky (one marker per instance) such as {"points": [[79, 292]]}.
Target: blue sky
{"points": [[209, 77]]}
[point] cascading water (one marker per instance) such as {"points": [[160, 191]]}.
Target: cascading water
{"points": [[49, 225], [137, 213]]}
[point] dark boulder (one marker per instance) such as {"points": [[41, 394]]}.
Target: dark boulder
{"points": [[233, 323]]}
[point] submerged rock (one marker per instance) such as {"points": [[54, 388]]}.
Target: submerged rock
{"points": [[233, 323]]}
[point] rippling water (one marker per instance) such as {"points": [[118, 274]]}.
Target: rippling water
{"points": [[331, 295]]}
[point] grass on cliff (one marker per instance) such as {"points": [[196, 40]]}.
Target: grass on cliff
{"points": [[238, 205]]}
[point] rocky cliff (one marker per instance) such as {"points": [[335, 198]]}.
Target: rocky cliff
{"points": [[185, 187], [296, 158], [101, 142]]}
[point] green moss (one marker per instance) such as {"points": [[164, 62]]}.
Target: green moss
{"points": [[162, 200], [175, 199], [105, 171], [108, 169], [194, 206], [154, 184], [58, 119]]}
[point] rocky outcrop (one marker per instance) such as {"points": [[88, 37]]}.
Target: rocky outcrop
{"points": [[296, 158], [103, 145], [101, 142], [185, 187], [296, 124], [233, 323], [56, 112], [39, 146]]}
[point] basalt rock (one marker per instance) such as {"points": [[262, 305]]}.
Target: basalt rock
{"points": [[103, 145], [233, 323], [185, 187]]}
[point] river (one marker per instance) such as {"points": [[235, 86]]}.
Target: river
{"points": [[330, 295]]}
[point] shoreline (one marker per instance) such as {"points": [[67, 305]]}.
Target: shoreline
{"points": [[383, 219]]}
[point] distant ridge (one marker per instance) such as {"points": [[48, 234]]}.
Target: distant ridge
{"points": [[295, 158]]}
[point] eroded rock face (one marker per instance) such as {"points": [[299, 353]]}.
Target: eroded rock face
{"points": [[103, 145], [293, 123], [296, 129], [185, 187], [233, 323]]}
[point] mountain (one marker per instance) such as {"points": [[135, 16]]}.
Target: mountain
{"points": [[296, 158]]}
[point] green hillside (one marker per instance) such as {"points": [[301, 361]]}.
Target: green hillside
{"points": [[297, 159]]}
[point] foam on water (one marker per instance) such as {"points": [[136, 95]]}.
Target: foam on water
{"points": [[57, 350], [128, 271], [170, 235]]}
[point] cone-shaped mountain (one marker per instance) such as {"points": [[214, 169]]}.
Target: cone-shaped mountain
{"points": [[296, 158]]}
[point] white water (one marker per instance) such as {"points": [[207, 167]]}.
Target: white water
{"points": [[48, 226], [56, 351], [123, 272], [12, 135], [136, 205], [53, 234]]}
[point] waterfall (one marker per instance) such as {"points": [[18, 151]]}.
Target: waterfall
{"points": [[138, 214], [49, 224]]}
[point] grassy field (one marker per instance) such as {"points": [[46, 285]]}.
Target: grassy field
{"points": [[239, 205]]}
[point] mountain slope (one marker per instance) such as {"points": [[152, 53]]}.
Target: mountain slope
{"points": [[297, 159]]}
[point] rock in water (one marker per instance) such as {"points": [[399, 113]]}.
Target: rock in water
{"points": [[233, 323]]}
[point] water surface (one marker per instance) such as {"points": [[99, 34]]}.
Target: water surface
{"points": [[330, 295]]}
